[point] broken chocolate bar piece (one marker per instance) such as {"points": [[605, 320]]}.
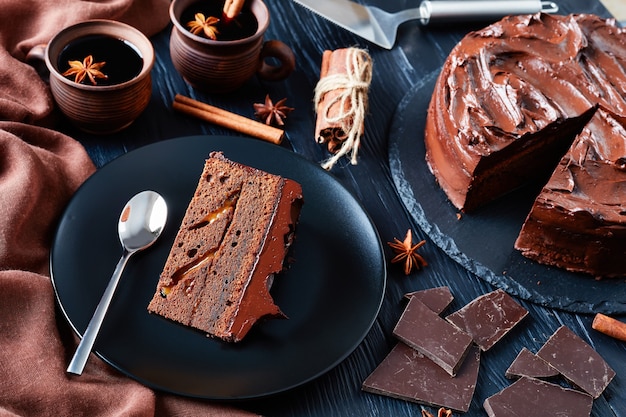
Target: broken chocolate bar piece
{"points": [[528, 364], [578, 362], [488, 318], [437, 299], [408, 375], [423, 330], [533, 397]]}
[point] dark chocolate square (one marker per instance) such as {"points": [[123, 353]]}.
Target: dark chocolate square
{"points": [[437, 299], [528, 364], [528, 397], [408, 375], [488, 318], [422, 329], [578, 362]]}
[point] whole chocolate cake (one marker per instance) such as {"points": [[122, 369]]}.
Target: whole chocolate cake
{"points": [[508, 104], [233, 238]]}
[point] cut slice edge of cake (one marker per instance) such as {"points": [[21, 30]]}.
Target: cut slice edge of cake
{"points": [[233, 240], [578, 221]]}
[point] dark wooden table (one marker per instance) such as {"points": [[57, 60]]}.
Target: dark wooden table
{"points": [[418, 53]]}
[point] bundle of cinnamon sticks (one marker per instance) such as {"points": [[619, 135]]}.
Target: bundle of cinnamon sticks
{"points": [[341, 100]]}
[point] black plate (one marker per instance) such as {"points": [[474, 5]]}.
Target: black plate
{"points": [[331, 293], [483, 241]]}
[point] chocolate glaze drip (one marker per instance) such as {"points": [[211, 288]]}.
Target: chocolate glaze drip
{"points": [[256, 301]]}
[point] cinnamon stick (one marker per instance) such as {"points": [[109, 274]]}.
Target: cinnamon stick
{"points": [[609, 326], [232, 8], [227, 119]]}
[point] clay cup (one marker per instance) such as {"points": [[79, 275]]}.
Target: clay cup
{"points": [[106, 107], [221, 66]]}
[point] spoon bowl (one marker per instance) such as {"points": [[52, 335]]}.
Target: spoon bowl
{"points": [[140, 224], [142, 221]]}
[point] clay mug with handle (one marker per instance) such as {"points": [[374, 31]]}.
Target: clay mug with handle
{"points": [[223, 65], [99, 73]]}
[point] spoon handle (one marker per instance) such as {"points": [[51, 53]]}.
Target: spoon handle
{"points": [[83, 350]]}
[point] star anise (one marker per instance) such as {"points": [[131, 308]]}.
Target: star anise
{"points": [[406, 251], [441, 413], [272, 113], [206, 25], [86, 68]]}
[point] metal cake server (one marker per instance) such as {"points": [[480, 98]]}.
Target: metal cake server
{"points": [[380, 27]]}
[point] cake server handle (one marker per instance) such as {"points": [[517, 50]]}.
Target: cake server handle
{"points": [[450, 11]]}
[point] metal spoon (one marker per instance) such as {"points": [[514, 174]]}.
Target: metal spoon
{"points": [[141, 222]]}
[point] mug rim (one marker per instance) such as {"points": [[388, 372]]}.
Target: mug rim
{"points": [[146, 50], [261, 29]]}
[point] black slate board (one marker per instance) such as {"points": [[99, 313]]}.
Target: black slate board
{"points": [[483, 242]]}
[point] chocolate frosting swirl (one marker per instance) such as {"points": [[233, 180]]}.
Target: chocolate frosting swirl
{"points": [[525, 72]]}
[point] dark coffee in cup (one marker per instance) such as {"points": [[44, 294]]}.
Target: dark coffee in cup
{"points": [[122, 59], [221, 66], [111, 104], [242, 26]]}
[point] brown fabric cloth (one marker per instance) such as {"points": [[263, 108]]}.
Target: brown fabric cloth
{"points": [[40, 169]]}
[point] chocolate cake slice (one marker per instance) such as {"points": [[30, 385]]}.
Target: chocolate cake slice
{"points": [[232, 241], [578, 221]]}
